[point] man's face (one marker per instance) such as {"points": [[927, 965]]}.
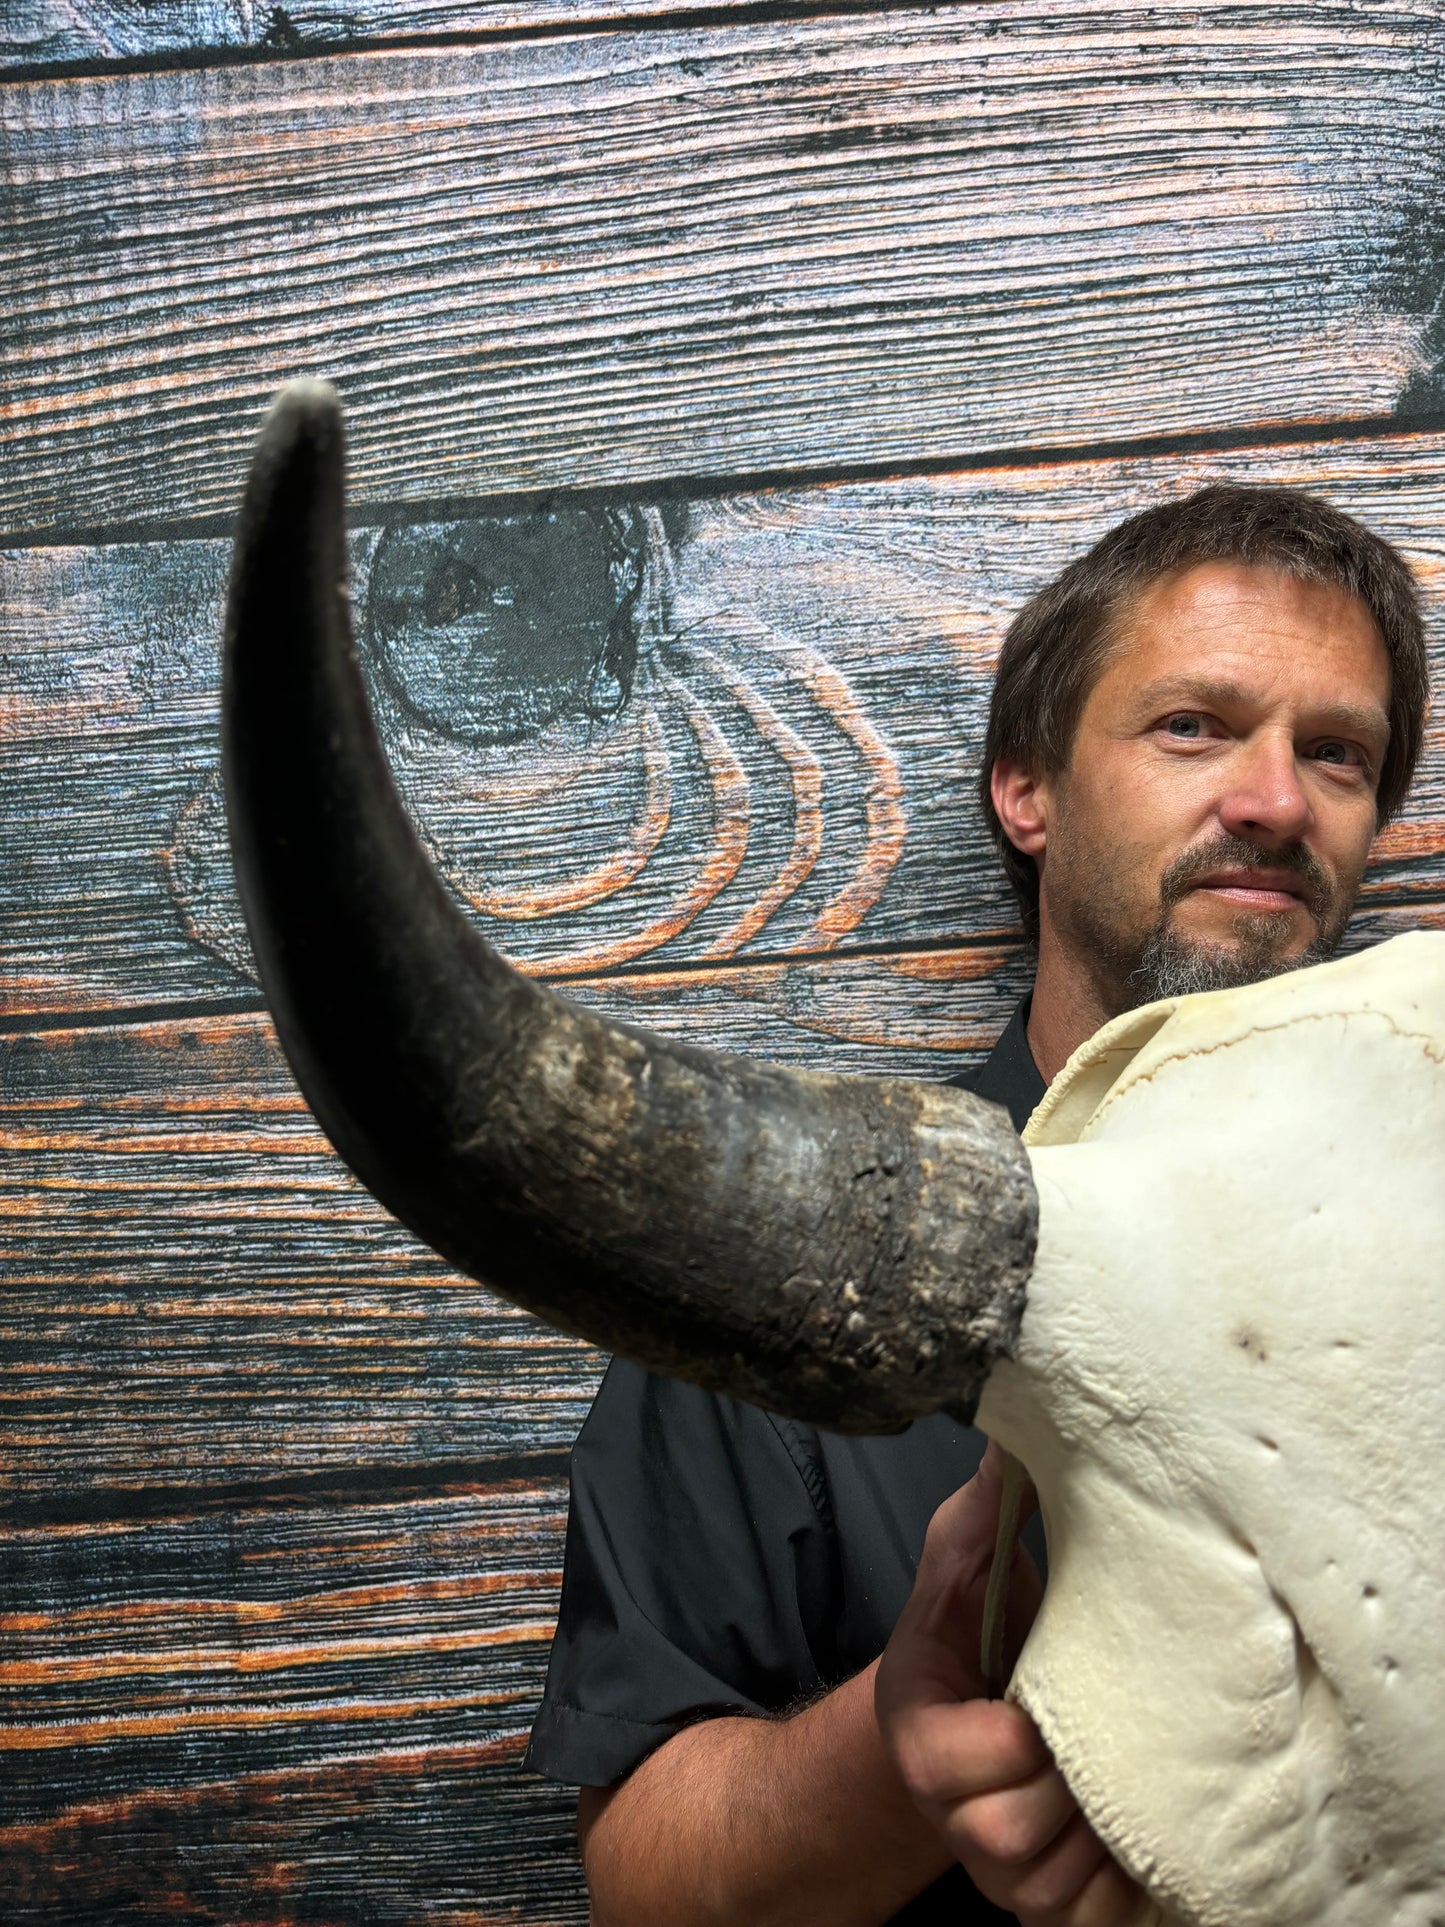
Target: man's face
{"points": [[1214, 819]]}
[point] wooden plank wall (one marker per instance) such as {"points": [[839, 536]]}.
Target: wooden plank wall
{"points": [[719, 384]]}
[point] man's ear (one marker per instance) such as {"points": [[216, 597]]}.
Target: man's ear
{"points": [[1022, 800]]}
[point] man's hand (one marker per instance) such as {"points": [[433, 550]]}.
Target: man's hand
{"points": [[978, 1768]]}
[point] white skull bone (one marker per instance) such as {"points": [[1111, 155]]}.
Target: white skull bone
{"points": [[1230, 1393]]}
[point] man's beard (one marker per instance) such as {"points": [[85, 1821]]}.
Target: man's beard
{"points": [[1161, 961]]}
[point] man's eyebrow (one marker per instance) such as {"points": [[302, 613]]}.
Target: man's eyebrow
{"points": [[1189, 692]]}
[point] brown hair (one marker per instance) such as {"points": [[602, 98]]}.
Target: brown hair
{"points": [[1056, 647]]}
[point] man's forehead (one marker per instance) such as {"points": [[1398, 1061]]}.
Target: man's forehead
{"points": [[1226, 594], [1233, 627]]}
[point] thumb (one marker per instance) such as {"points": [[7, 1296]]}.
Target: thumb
{"points": [[962, 1533]]}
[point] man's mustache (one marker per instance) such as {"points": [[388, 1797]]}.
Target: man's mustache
{"points": [[1234, 853]]}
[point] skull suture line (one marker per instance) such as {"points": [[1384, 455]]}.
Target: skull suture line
{"points": [[1228, 1385]]}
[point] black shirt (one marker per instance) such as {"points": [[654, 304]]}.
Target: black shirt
{"points": [[721, 1559]]}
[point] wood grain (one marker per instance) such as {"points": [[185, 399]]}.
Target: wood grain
{"points": [[38, 32], [657, 253], [280, 1503], [776, 760], [196, 1290], [451, 1838], [456, 1838], [198, 1709], [162, 1636], [198, 1293]]}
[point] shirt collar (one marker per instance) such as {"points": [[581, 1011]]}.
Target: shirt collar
{"points": [[1009, 1075]]}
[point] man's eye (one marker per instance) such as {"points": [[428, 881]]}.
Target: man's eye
{"points": [[1185, 726], [1346, 755]]}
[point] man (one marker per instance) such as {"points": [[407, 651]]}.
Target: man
{"points": [[765, 1678]]}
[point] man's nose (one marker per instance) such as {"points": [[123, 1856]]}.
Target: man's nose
{"points": [[1265, 801]]}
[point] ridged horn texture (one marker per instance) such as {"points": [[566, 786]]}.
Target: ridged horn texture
{"points": [[850, 1251]]}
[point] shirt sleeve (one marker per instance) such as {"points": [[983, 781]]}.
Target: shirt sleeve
{"points": [[700, 1576]]}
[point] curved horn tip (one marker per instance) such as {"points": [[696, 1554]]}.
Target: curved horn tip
{"points": [[294, 492], [307, 397], [303, 411]]}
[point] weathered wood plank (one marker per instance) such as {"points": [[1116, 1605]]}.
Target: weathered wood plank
{"points": [[198, 1293], [145, 1648], [732, 787], [197, 1708], [853, 239], [37, 32], [772, 757], [451, 1838], [196, 1290]]}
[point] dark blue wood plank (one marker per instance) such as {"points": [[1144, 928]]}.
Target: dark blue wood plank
{"points": [[856, 239]]}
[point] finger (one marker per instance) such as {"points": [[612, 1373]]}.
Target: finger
{"points": [[935, 1650], [950, 1750], [1109, 1898], [958, 1555], [939, 1628], [962, 1531], [1042, 1892], [1014, 1824]]}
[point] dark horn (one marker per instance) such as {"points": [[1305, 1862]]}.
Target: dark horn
{"points": [[851, 1251]]}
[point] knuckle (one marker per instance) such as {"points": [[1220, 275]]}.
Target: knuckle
{"points": [[1044, 1892], [1000, 1828], [921, 1765], [1018, 1756]]}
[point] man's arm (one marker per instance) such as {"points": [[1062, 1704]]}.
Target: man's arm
{"points": [[839, 1814], [797, 1821]]}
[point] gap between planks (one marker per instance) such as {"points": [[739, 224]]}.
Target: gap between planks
{"points": [[139, 1017], [528, 20], [133, 1017], [657, 492], [106, 1505]]}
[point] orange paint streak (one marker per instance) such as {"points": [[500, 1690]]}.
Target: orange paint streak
{"points": [[231, 1614], [52, 1735], [609, 876], [237, 1049], [887, 819], [732, 820], [952, 966], [166, 1143], [249, 1789], [807, 779], [233, 1663], [1407, 839]]}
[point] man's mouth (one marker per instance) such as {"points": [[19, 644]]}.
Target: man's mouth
{"points": [[1255, 889], [1244, 880]]}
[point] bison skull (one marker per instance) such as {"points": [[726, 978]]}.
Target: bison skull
{"points": [[1230, 1392]]}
